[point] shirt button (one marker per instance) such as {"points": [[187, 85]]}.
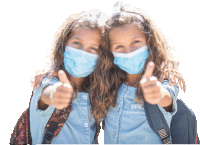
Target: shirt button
{"points": [[118, 110], [86, 124], [132, 106], [115, 134], [84, 97]]}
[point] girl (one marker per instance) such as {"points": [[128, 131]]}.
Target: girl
{"points": [[75, 54], [135, 42]]}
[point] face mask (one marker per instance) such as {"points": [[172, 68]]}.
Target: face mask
{"points": [[133, 62], [79, 63]]}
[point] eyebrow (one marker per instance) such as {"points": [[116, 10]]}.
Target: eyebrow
{"points": [[76, 38], [136, 36], [81, 39]]}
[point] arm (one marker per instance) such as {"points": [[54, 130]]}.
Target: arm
{"points": [[157, 93], [35, 101], [60, 91], [172, 95], [166, 102]]}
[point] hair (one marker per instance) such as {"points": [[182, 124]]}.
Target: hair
{"points": [[61, 38], [112, 77]]}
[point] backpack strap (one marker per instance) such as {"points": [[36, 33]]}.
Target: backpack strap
{"points": [[55, 124], [21, 133], [157, 122]]}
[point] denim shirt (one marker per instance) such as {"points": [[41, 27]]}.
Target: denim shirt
{"points": [[127, 123], [78, 129]]}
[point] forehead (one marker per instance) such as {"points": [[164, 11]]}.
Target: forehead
{"points": [[86, 34], [131, 29], [84, 31]]}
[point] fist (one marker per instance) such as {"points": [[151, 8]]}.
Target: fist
{"points": [[151, 87], [61, 92]]}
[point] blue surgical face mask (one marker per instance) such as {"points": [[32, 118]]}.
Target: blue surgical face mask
{"points": [[79, 63], [133, 62]]}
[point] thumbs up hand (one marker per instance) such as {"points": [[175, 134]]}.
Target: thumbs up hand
{"points": [[61, 92], [152, 88]]}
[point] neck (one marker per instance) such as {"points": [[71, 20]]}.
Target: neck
{"points": [[78, 82], [132, 80]]}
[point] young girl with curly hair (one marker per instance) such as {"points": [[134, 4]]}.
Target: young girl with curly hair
{"points": [[76, 50], [142, 60]]}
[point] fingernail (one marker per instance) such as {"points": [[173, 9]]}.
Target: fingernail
{"points": [[151, 64], [61, 73], [38, 86], [143, 80], [152, 78], [67, 85]]}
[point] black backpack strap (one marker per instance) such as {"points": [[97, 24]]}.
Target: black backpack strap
{"points": [[55, 124], [157, 122], [50, 132]]}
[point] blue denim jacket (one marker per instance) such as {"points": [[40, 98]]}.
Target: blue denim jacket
{"points": [[78, 129], [127, 123]]}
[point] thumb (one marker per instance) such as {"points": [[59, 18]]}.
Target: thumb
{"points": [[63, 78], [149, 70]]}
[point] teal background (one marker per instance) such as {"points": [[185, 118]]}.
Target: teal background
{"points": [[27, 29]]}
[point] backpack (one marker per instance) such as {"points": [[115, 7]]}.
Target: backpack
{"points": [[22, 135], [183, 128]]}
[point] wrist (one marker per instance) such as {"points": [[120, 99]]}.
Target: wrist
{"points": [[166, 100], [42, 105]]}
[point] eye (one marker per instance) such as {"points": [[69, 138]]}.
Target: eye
{"points": [[135, 42], [93, 48], [119, 47], [77, 43]]}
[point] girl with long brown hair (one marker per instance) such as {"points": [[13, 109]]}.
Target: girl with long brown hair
{"points": [[142, 60], [75, 57]]}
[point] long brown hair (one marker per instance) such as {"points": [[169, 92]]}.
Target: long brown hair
{"points": [[65, 31], [166, 65]]}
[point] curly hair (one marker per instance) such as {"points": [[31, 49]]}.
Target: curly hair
{"points": [[72, 23], [112, 77]]}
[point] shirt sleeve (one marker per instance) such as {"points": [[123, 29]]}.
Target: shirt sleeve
{"points": [[173, 90], [37, 93]]}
